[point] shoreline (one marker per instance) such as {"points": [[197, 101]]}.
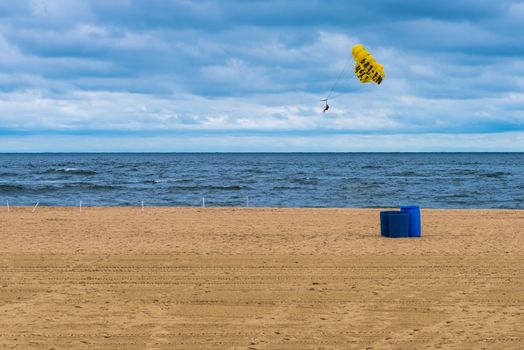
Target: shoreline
{"points": [[243, 207]]}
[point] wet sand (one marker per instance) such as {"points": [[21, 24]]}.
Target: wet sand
{"points": [[188, 278]]}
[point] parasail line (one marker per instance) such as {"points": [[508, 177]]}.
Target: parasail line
{"points": [[338, 78]]}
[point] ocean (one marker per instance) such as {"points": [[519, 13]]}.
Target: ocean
{"points": [[314, 180]]}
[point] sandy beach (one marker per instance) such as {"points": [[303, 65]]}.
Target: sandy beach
{"points": [[195, 278]]}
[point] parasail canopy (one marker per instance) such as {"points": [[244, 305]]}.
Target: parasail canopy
{"points": [[366, 68]]}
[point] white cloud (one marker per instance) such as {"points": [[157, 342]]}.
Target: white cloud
{"points": [[516, 11], [67, 68], [228, 143]]}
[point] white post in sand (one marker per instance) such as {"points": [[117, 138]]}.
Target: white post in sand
{"points": [[80, 205], [247, 201], [142, 205], [36, 205], [8, 209], [203, 202]]}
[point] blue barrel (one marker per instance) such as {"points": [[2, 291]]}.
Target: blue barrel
{"points": [[414, 219], [398, 224], [384, 222]]}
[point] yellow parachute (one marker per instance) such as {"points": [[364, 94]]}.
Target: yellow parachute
{"points": [[366, 68]]}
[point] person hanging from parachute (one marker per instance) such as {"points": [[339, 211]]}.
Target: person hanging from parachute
{"points": [[366, 70], [326, 107]]}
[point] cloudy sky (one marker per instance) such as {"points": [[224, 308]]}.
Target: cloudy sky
{"points": [[238, 75]]}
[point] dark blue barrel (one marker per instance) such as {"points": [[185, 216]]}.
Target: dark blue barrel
{"points": [[398, 224], [384, 222], [414, 219]]}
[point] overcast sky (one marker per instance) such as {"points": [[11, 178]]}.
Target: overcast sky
{"points": [[227, 75]]}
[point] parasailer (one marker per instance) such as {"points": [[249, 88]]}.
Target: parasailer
{"points": [[326, 107], [366, 70]]}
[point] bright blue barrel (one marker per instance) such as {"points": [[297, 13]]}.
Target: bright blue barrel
{"points": [[398, 224], [414, 219], [384, 222]]}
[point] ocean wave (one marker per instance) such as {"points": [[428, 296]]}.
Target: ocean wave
{"points": [[72, 171], [208, 188], [464, 172], [372, 167], [305, 181], [283, 188], [10, 189], [88, 186], [149, 182], [227, 188], [257, 171], [181, 180], [455, 196], [407, 173], [154, 181], [495, 174], [369, 185], [470, 163], [41, 189], [18, 189]]}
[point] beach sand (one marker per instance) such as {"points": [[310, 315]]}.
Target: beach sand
{"points": [[194, 278]]}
